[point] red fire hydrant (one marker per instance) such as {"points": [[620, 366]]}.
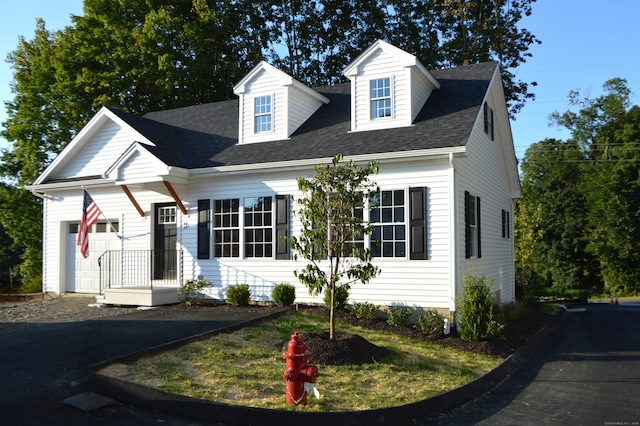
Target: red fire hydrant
{"points": [[298, 372]]}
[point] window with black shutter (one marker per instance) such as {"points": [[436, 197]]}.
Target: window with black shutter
{"points": [[204, 229]]}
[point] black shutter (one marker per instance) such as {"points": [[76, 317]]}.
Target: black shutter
{"points": [[486, 117], [204, 227], [282, 226], [491, 123], [504, 228], [467, 227], [508, 224], [418, 223], [478, 226]]}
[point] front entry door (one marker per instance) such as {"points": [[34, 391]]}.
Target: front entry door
{"points": [[165, 255]]}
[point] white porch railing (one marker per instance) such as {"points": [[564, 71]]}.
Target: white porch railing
{"points": [[140, 268]]}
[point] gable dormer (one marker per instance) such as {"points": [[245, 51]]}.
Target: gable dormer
{"points": [[273, 104], [388, 88]]}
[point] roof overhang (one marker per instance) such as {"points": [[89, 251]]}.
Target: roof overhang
{"points": [[431, 153]]}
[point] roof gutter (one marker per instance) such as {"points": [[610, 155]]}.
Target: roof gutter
{"points": [[310, 162]]}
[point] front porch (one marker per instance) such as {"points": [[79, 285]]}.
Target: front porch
{"points": [[140, 277]]}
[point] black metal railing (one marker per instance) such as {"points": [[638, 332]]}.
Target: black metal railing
{"points": [[140, 268]]}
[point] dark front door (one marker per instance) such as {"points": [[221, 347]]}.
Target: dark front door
{"points": [[165, 256]]}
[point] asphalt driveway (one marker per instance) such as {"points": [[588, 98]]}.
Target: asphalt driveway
{"points": [[586, 373], [42, 364]]}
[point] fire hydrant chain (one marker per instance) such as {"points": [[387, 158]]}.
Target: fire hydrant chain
{"points": [[298, 372], [295, 401]]}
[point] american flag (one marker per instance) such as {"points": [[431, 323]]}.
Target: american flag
{"points": [[90, 214]]}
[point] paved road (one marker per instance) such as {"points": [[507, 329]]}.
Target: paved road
{"points": [[586, 373]]}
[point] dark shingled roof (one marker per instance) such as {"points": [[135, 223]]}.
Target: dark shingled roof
{"points": [[206, 135]]}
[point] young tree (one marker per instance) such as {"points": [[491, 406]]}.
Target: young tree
{"points": [[333, 228]]}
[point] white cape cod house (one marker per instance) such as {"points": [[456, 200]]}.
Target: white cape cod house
{"points": [[205, 191]]}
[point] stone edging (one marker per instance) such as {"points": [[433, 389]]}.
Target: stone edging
{"points": [[238, 415]]}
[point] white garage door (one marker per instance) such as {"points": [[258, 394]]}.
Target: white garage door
{"points": [[83, 275]]}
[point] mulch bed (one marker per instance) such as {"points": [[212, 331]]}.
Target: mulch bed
{"points": [[355, 350]]}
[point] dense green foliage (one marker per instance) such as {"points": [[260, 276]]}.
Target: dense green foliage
{"points": [[399, 316], [431, 322], [284, 294], [477, 319], [578, 221], [239, 295], [340, 297], [149, 55], [193, 291], [365, 310]]}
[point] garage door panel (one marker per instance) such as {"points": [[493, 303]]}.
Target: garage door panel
{"points": [[83, 275]]}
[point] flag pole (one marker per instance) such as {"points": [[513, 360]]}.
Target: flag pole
{"points": [[102, 214]]}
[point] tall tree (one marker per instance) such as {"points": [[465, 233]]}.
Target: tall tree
{"points": [[607, 133], [332, 225], [482, 30], [551, 174]]}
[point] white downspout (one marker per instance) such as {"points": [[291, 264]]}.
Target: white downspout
{"points": [[453, 234], [44, 198]]}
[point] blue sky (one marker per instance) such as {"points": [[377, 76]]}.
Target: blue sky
{"points": [[584, 44]]}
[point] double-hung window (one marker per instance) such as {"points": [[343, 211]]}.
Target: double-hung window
{"points": [[472, 226], [258, 227], [387, 215], [226, 228], [380, 95], [262, 114]]}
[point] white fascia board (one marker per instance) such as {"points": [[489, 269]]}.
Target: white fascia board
{"points": [[507, 137], [41, 188], [306, 163]]}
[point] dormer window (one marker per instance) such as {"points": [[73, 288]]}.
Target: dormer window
{"points": [[380, 97], [262, 114]]}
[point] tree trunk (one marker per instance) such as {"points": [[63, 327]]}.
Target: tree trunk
{"points": [[332, 323]]}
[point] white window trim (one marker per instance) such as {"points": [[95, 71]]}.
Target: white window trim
{"points": [[256, 115], [391, 98]]}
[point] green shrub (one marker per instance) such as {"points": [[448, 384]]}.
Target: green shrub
{"points": [[399, 316], [476, 317], [192, 290], [342, 295], [430, 323], [284, 294], [365, 310], [239, 295]]}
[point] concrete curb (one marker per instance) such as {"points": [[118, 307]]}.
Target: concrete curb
{"points": [[238, 415]]}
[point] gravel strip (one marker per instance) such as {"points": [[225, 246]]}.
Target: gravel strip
{"points": [[57, 309]]}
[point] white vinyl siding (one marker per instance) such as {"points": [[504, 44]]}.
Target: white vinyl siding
{"points": [[483, 173], [415, 282], [380, 66], [99, 153], [300, 107]]}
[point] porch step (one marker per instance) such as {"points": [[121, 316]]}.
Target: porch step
{"points": [[139, 296]]}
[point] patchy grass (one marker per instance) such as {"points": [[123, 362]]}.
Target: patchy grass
{"points": [[246, 368]]}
